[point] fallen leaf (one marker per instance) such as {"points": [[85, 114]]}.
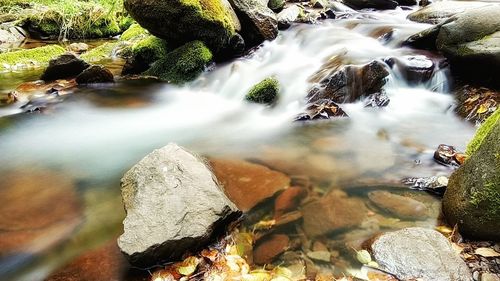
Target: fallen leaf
{"points": [[482, 109], [363, 256], [188, 266], [487, 252]]}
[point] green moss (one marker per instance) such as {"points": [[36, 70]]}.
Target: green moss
{"points": [[30, 57], [150, 49], [482, 132], [265, 92], [182, 64], [276, 5], [133, 32], [490, 196], [99, 53]]}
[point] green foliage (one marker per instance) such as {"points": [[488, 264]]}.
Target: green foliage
{"points": [[182, 64], [30, 57], [482, 132], [60, 19], [265, 92], [99, 53]]}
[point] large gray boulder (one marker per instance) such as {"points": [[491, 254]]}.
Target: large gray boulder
{"points": [[443, 10], [173, 205], [471, 41], [419, 254], [472, 199], [179, 22], [259, 23]]}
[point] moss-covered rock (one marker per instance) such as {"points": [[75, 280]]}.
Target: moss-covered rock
{"points": [[472, 199], [133, 32], [481, 133], [276, 5], [29, 58], [144, 53], [182, 64], [264, 92], [100, 53], [181, 21]]}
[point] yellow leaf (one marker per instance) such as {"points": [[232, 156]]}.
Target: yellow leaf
{"points": [[482, 109], [188, 266], [363, 256], [486, 252]]}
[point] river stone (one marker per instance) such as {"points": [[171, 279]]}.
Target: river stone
{"points": [[173, 206], [269, 248], [333, 212], [181, 21], [95, 74], [259, 23], [440, 11], [64, 66], [414, 69], [472, 199], [419, 254], [471, 42], [288, 16], [401, 206], [248, 184], [374, 4], [350, 83]]}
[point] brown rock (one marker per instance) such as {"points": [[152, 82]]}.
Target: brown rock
{"points": [[248, 184], [288, 200], [39, 210], [335, 211], [398, 205], [104, 263], [270, 248]]}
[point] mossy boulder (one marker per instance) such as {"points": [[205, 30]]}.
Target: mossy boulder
{"points": [[100, 53], [472, 199], [29, 58], [144, 53], [182, 64], [182, 21], [276, 5], [264, 92]]}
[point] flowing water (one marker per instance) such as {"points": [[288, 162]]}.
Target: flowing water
{"points": [[98, 133]]}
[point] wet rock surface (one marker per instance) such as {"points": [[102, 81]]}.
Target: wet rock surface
{"points": [[375, 4], [437, 12], [270, 248], [448, 155], [95, 74], [333, 212], [400, 206], [288, 16], [258, 22], [472, 197], [322, 109], [419, 253], [64, 66], [342, 88], [173, 206], [415, 69], [476, 103], [248, 184]]}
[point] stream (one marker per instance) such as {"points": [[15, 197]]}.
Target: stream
{"points": [[83, 146]]}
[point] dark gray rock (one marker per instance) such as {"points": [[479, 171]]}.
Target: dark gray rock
{"points": [[419, 253], [95, 74], [64, 66], [258, 22], [173, 205], [373, 4], [472, 199], [350, 83], [414, 69]]}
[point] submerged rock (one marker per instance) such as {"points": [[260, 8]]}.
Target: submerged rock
{"points": [[182, 64], [445, 155], [350, 83], [322, 109], [258, 22], [419, 254], [333, 212], [179, 21], [95, 74], [173, 206], [64, 66], [400, 206], [270, 248], [472, 199], [264, 92], [248, 184], [471, 42], [437, 12], [414, 69], [375, 4]]}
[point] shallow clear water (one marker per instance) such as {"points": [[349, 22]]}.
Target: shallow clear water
{"points": [[96, 134]]}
